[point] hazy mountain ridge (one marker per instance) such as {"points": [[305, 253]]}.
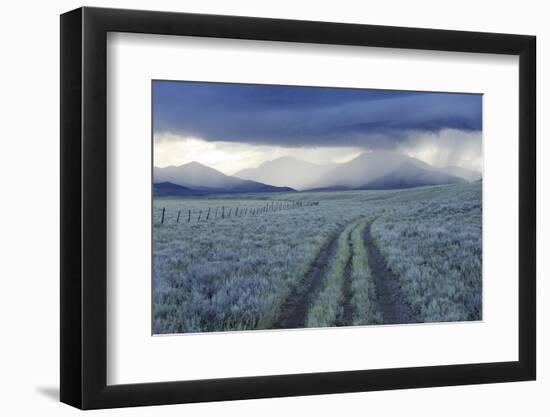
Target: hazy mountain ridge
{"points": [[197, 179], [196, 176], [286, 171], [468, 174], [385, 169], [374, 170], [410, 175]]}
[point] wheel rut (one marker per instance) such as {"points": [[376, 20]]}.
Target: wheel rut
{"points": [[296, 307], [346, 318], [391, 301]]}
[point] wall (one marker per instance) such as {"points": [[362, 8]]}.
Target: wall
{"points": [[29, 213]]}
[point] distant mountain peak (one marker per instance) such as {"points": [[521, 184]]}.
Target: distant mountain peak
{"points": [[286, 171], [199, 166], [199, 178], [384, 169], [191, 164], [195, 164]]}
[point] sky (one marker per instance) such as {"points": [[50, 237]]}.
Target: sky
{"points": [[230, 127]]}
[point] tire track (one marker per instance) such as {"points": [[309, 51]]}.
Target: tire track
{"points": [[391, 301], [295, 309], [347, 309]]}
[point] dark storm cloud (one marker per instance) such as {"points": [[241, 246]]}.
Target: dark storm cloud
{"points": [[304, 116]]}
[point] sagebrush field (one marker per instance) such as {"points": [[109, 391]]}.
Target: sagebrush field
{"points": [[317, 259]]}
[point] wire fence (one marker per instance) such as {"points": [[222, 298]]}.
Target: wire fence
{"points": [[188, 215]]}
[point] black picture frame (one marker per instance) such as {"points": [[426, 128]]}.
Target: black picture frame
{"points": [[84, 207]]}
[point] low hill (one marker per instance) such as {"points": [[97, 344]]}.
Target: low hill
{"points": [[166, 188]]}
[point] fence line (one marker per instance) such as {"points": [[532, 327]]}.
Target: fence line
{"points": [[269, 207]]}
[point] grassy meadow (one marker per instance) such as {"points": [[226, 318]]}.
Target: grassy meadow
{"points": [[252, 258]]}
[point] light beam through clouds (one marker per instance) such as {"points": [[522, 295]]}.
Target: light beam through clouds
{"points": [[231, 127]]}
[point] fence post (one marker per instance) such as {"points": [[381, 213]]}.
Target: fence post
{"points": [[178, 219], [223, 212], [208, 214], [200, 214], [189, 217], [162, 218], [216, 213], [229, 214]]}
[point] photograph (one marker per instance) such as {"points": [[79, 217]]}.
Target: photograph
{"points": [[290, 207], [340, 209]]}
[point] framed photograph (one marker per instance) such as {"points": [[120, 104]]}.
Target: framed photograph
{"points": [[257, 208]]}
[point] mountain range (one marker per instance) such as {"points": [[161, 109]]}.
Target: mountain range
{"points": [[198, 179], [373, 170], [389, 170]]}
